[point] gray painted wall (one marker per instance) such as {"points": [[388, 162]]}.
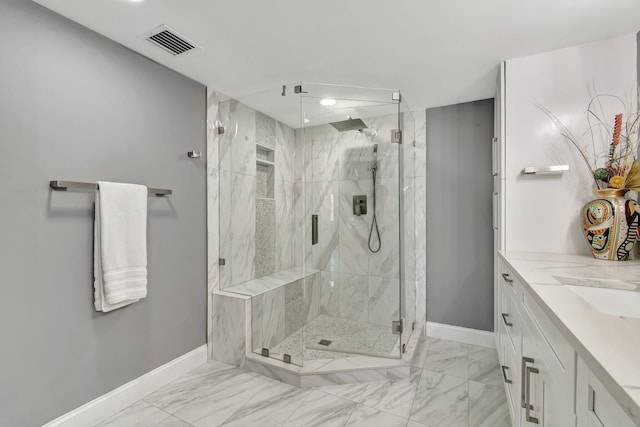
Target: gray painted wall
{"points": [[459, 215], [76, 106]]}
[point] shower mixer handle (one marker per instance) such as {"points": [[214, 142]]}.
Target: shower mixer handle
{"points": [[360, 205]]}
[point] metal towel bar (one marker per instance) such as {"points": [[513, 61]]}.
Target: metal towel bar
{"points": [[60, 185]]}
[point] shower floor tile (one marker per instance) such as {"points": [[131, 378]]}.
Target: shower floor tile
{"points": [[347, 338]]}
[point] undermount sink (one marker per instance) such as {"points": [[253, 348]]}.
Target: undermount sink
{"points": [[615, 302], [609, 296]]}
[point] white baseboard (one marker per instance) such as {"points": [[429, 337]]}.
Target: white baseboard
{"points": [[459, 334], [126, 395]]}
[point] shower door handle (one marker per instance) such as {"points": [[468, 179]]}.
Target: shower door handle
{"points": [[314, 229]]}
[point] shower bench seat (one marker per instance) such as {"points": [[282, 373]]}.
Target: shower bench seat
{"points": [[272, 281]]}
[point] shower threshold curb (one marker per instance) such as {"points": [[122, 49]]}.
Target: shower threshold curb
{"points": [[348, 370]]}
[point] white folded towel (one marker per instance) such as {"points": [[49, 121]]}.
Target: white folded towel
{"points": [[120, 245]]}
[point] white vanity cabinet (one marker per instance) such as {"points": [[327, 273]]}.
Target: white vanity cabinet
{"points": [[595, 407], [538, 364]]}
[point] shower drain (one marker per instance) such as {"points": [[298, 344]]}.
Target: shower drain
{"points": [[324, 342]]}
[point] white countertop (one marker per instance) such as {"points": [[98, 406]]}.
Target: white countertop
{"points": [[609, 345]]}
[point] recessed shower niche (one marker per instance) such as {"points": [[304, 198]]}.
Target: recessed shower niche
{"points": [[323, 286]]}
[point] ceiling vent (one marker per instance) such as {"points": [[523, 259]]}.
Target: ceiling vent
{"points": [[170, 40]]}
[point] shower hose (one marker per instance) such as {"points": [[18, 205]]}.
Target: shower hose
{"points": [[374, 222]]}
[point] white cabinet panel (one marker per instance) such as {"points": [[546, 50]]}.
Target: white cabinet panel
{"points": [[595, 407]]}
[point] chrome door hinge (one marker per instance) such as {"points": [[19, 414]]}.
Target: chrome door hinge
{"points": [[220, 130], [298, 89], [222, 261], [396, 136], [397, 327], [395, 96]]}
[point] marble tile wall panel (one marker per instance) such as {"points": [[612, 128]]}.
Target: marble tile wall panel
{"points": [[213, 200], [409, 305], [265, 130], [229, 329], [357, 156], [265, 235], [273, 317], [325, 196], [421, 214], [240, 237], [353, 297], [285, 152], [257, 318], [299, 229], [238, 144], [421, 143], [285, 229], [325, 152], [329, 293], [384, 301], [295, 315], [421, 302], [262, 182], [225, 229], [385, 263], [312, 296], [408, 147], [409, 253], [388, 153], [353, 229]]}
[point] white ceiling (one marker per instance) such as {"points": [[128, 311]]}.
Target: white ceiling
{"points": [[437, 52]]}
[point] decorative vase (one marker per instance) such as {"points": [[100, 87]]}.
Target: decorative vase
{"points": [[610, 224]]}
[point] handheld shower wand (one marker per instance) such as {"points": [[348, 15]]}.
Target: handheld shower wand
{"points": [[374, 221]]}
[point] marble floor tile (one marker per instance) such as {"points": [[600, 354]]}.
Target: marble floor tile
{"points": [[364, 416], [322, 410], [487, 406], [271, 407], [484, 366], [352, 392], [447, 357], [395, 397], [140, 414], [175, 395], [441, 400], [420, 356], [172, 421], [215, 404], [217, 394]]}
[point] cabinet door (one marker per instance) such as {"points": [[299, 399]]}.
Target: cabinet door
{"points": [[548, 397], [509, 364]]}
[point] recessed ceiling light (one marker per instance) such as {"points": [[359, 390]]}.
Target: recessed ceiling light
{"points": [[136, 1], [328, 102]]}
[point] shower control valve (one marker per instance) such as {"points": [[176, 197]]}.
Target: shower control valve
{"points": [[360, 205]]}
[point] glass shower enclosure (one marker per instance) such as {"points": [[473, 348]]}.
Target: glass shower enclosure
{"points": [[316, 219]]}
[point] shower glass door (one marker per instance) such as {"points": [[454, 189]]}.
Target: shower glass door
{"points": [[353, 186]]}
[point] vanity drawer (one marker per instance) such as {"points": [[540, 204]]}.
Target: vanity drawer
{"points": [[563, 360], [510, 371], [511, 320], [511, 283]]}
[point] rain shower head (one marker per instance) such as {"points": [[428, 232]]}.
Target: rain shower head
{"points": [[350, 124]]}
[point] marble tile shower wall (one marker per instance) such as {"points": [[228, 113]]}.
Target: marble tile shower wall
{"points": [[257, 235], [353, 282]]}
